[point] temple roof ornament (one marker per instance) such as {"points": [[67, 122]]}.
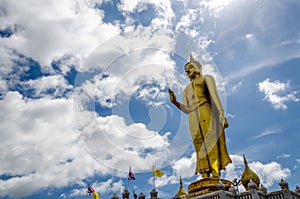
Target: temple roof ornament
{"points": [[249, 175], [297, 189], [181, 191], [263, 189]]}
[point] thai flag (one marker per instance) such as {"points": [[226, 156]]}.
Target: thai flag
{"points": [[131, 174], [90, 190]]}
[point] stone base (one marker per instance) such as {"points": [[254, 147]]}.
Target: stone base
{"points": [[207, 185]]}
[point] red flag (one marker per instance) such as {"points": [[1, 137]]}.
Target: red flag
{"points": [[90, 190], [131, 174]]}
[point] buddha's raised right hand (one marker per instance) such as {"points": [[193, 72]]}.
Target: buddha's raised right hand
{"points": [[172, 96]]}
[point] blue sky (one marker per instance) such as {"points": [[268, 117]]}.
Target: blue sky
{"points": [[83, 92]]}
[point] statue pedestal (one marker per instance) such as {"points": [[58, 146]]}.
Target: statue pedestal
{"points": [[207, 185]]}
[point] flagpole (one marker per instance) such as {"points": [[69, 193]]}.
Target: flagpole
{"points": [[128, 178], [153, 177], [127, 183]]}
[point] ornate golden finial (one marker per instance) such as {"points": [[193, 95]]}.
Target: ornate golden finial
{"points": [[181, 191], [191, 57], [249, 175], [180, 182]]}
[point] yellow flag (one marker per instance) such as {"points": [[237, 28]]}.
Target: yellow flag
{"points": [[157, 172], [95, 195]]}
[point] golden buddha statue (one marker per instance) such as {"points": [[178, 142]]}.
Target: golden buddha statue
{"points": [[206, 120]]}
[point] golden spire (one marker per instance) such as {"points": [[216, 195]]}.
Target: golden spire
{"points": [[191, 57], [249, 175], [181, 191]]}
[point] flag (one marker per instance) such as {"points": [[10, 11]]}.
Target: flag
{"points": [[157, 172], [131, 174], [95, 195], [90, 190]]}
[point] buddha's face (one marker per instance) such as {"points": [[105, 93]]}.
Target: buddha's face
{"points": [[191, 71]]}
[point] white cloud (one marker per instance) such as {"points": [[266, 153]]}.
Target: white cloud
{"points": [[235, 169], [163, 11], [3, 86], [64, 28], [6, 64], [249, 36], [267, 132], [156, 68], [128, 5], [41, 136], [235, 88], [164, 180], [290, 42], [145, 59], [284, 155], [216, 6], [165, 14], [144, 77], [185, 167], [121, 144], [277, 93], [296, 166], [135, 46], [229, 115], [270, 173], [266, 62], [56, 83], [186, 19]]}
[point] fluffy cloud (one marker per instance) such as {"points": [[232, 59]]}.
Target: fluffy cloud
{"points": [[216, 6], [133, 79], [270, 173], [121, 144], [163, 11], [40, 136], [185, 166], [164, 180], [56, 85], [277, 93], [140, 63], [64, 28], [235, 169]]}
